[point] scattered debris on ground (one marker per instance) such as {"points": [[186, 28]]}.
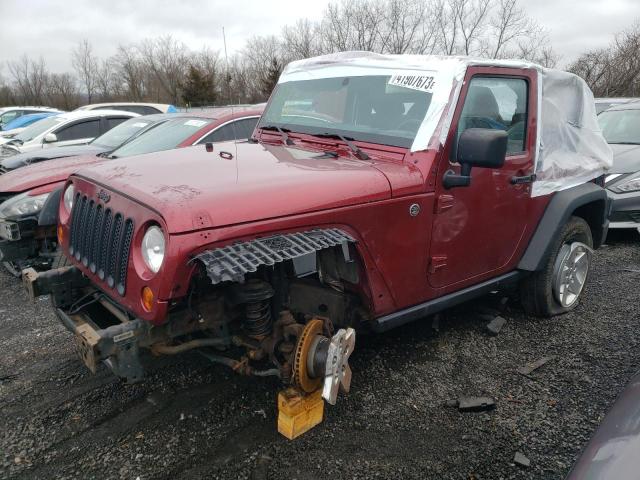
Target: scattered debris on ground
{"points": [[476, 404], [191, 420], [521, 460], [532, 366], [495, 325]]}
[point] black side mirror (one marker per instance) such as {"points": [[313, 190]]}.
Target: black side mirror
{"points": [[477, 147]]}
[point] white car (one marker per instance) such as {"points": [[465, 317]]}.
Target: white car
{"points": [[72, 128], [136, 107], [8, 114]]}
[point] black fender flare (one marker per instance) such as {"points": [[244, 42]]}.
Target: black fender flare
{"points": [[49, 213], [588, 201]]}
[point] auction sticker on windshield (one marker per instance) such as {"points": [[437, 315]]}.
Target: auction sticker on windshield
{"points": [[424, 83], [195, 123]]}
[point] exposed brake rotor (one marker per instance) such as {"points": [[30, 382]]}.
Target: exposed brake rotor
{"points": [[318, 358], [301, 375]]}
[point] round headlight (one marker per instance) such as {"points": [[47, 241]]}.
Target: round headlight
{"points": [[68, 197], [153, 248]]}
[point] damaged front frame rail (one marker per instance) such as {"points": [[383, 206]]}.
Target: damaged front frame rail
{"points": [[117, 344]]}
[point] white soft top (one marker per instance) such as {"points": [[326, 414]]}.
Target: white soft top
{"points": [[570, 149]]}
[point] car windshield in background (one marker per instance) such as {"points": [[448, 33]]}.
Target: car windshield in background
{"points": [[367, 108], [163, 137], [120, 134], [37, 128], [621, 126]]}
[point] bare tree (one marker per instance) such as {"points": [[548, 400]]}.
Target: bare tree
{"points": [[30, 78], [130, 69], [107, 84], [62, 91], [168, 59], [301, 40], [86, 67], [613, 71], [403, 26]]}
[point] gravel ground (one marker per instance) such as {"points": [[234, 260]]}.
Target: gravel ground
{"points": [[190, 419]]}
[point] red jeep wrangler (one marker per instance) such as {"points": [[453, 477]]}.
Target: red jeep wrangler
{"points": [[376, 190]]}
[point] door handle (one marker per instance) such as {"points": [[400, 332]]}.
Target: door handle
{"points": [[524, 179]]}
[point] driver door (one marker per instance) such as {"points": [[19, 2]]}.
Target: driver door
{"points": [[478, 229]]}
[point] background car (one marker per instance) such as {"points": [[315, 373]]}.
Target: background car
{"points": [[8, 114], [27, 234], [604, 103], [135, 107], [17, 125], [105, 143], [216, 125], [73, 128], [612, 453], [621, 127]]}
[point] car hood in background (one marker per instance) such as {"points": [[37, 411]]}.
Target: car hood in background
{"points": [[27, 158], [626, 158], [612, 453], [41, 174]]}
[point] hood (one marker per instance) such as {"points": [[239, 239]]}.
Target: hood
{"points": [[626, 158], [24, 159], [41, 174], [259, 182]]}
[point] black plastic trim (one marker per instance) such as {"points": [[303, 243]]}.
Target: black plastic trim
{"points": [[562, 206], [49, 213], [396, 319]]}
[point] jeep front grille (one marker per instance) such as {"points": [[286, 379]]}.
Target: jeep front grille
{"points": [[101, 240]]}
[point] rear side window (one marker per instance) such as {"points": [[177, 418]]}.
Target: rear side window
{"points": [[498, 104], [115, 121], [238, 130], [88, 129]]}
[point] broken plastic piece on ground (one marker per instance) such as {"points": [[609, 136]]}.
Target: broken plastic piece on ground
{"points": [[495, 325], [520, 459], [531, 366], [476, 404], [298, 413]]}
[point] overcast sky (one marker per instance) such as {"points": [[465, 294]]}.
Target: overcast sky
{"points": [[52, 28]]}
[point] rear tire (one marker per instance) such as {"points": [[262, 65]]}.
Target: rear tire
{"points": [[541, 293]]}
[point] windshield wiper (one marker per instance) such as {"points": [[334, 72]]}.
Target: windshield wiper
{"points": [[15, 140], [347, 140], [624, 143], [283, 131]]}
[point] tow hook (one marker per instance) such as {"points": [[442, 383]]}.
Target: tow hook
{"points": [[321, 370]]}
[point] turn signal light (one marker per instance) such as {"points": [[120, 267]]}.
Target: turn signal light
{"points": [[147, 299], [60, 234]]}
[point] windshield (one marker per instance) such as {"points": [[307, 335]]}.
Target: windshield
{"points": [[163, 137], [120, 134], [620, 126], [38, 128], [373, 108]]}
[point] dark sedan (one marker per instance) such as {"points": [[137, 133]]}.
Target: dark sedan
{"points": [[621, 128]]}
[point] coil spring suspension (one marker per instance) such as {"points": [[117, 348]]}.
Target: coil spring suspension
{"points": [[256, 296]]}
